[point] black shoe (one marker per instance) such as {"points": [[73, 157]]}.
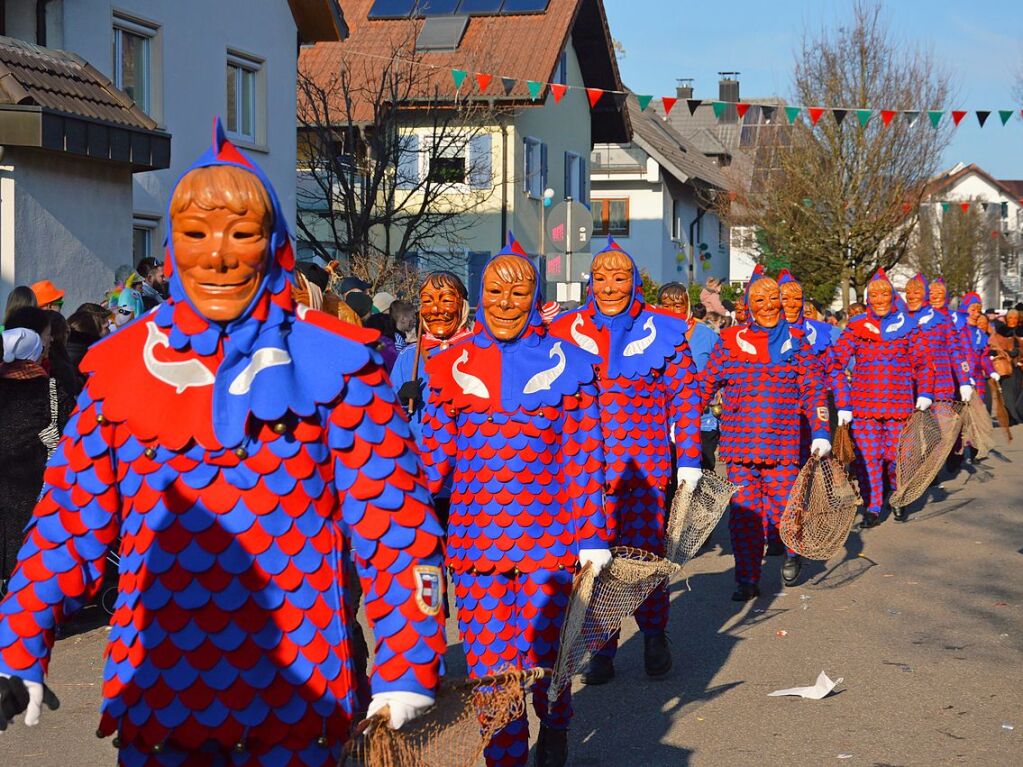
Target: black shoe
{"points": [[790, 570], [600, 670], [551, 748], [745, 592], [870, 520], [899, 513], [656, 654]]}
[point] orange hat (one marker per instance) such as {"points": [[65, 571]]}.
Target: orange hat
{"points": [[46, 292]]}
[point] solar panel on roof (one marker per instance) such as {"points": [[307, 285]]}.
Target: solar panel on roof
{"points": [[392, 9], [441, 33], [480, 7], [525, 6], [436, 7]]}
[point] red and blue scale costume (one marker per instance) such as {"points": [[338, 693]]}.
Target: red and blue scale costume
{"points": [[944, 345], [515, 425], [892, 367], [647, 385], [770, 381], [977, 345], [235, 468]]}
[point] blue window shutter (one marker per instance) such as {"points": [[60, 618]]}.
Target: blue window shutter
{"points": [[568, 173], [583, 179], [543, 169], [525, 165], [480, 162], [408, 161]]}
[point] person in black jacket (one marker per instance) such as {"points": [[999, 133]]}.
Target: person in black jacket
{"points": [[84, 330]]}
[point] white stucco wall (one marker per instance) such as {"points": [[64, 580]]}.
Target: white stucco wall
{"points": [[189, 82], [64, 219]]}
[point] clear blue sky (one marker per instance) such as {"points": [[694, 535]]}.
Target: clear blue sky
{"points": [[981, 43]]}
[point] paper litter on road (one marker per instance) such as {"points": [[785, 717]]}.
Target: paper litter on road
{"points": [[821, 689]]}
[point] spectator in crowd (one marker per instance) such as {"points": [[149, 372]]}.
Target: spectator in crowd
{"points": [[128, 306], [151, 285], [33, 411], [716, 321], [700, 312], [60, 365], [47, 295], [856, 309], [104, 317], [21, 296], [35, 319], [382, 302], [352, 284], [710, 296], [84, 329], [386, 346], [404, 315], [360, 303]]}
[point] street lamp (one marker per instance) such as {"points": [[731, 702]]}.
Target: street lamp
{"points": [[546, 202]]}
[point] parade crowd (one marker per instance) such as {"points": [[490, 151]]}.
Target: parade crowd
{"points": [[267, 445]]}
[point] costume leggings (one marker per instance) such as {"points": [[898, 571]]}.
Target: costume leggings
{"points": [[515, 620], [877, 443], [312, 756], [639, 517], [756, 510]]}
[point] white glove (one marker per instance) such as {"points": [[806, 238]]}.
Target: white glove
{"points": [[403, 706], [38, 694], [689, 477], [923, 403], [820, 447], [966, 393], [598, 558], [844, 417], [995, 377]]}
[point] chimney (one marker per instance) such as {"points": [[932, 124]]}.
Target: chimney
{"points": [[684, 89], [728, 92]]}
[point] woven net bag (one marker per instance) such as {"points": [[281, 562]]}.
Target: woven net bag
{"points": [[600, 604], [820, 510], [695, 512], [451, 734], [924, 444], [978, 430], [842, 445]]}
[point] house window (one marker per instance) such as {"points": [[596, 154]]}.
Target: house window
{"points": [[611, 217], [535, 171], [575, 176], [242, 96], [142, 237], [448, 161], [133, 64], [561, 71]]}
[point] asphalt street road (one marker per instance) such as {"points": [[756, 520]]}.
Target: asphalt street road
{"points": [[922, 620]]}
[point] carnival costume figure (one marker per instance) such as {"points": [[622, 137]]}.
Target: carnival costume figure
{"points": [[890, 365], [648, 396], [977, 341], [769, 380], [236, 450], [944, 341], [512, 419]]}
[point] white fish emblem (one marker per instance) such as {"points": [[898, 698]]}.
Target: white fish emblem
{"points": [[640, 345], [745, 345], [925, 319], [542, 381], [871, 327], [267, 357], [582, 340], [469, 383], [787, 346], [181, 375], [898, 323], [811, 334]]}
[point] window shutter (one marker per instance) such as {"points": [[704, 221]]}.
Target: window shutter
{"points": [[481, 161], [568, 174], [408, 161], [526, 164], [583, 179], [543, 169]]}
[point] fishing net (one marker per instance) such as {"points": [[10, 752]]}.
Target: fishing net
{"points": [[695, 513], [925, 442], [978, 430], [820, 511], [842, 445], [599, 604], [451, 734]]}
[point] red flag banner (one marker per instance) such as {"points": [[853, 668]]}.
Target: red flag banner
{"points": [[957, 116], [594, 94], [815, 114], [964, 206], [668, 102], [742, 109], [887, 115], [483, 81], [558, 91]]}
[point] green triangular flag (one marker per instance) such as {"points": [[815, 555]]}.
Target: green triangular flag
{"points": [[792, 113], [864, 115], [945, 206], [1005, 114], [719, 108], [534, 89], [644, 102], [458, 75], [935, 115]]}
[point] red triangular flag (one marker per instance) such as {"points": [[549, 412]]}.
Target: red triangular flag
{"points": [[594, 94], [742, 109], [964, 206], [669, 102], [906, 207], [483, 81], [957, 116], [815, 114], [558, 91], [887, 115]]}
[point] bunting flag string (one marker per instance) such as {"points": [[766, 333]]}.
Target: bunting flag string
{"points": [[595, 96]]}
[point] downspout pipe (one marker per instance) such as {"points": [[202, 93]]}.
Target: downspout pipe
{"points": [[694, 224]]}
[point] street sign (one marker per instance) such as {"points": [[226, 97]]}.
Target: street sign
{"points": [[557, 226]]}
